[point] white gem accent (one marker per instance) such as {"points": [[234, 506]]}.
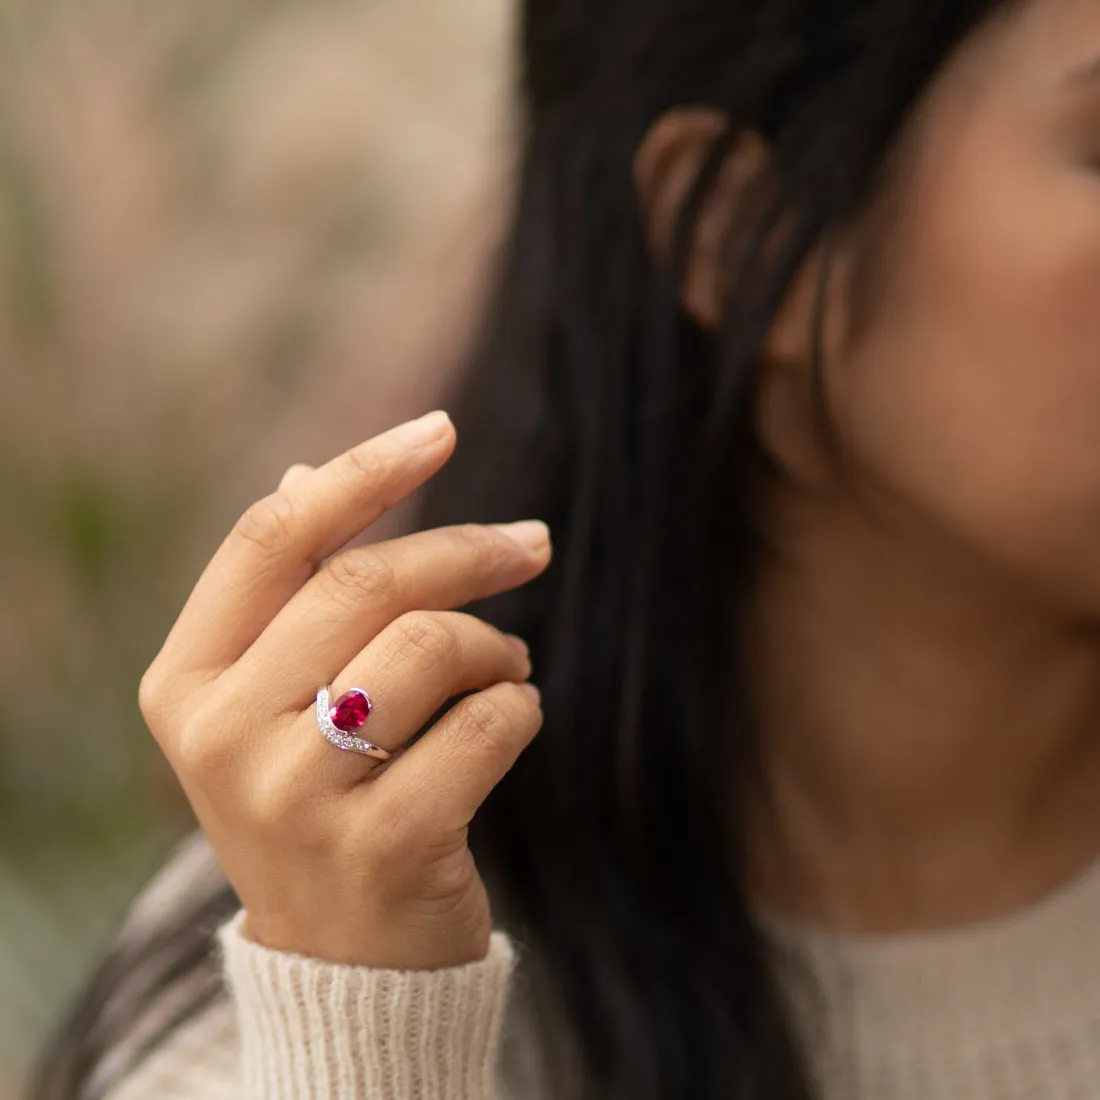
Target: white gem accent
{"points": [[340, 739]]}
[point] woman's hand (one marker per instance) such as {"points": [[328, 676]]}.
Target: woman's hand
{"points": [[335, 855]]}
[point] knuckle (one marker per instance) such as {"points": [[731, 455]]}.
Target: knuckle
{"points": [[425, 639], [358, 573], [366, 462], [151, 695], [270, 524], [195, 754], [269, 809], [485, 718], [200, 749]]}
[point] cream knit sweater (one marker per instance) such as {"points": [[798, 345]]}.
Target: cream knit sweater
{"points": [[1008, 1010]]}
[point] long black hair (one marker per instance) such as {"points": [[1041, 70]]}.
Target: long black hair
{"points": [[593, 402]]}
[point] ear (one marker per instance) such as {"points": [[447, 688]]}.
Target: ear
{"points": [[665, 167]]}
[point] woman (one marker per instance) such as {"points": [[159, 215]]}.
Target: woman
{"points": [[797, 351]]}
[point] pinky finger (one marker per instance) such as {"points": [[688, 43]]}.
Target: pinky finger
{"points": [[443, 779]]}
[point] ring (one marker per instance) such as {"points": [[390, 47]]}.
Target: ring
{"points": [[339, 721]]}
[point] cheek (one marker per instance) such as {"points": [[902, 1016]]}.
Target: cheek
{"points": [[974, 397]]}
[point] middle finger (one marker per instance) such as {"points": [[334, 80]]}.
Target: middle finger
{"points": [[359, 593]]}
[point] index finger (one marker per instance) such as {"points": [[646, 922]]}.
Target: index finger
{"points": [[277, 545]]}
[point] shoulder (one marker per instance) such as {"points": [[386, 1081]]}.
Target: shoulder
{"points": [[189, 880], [164, 1002], [199, 1059]]}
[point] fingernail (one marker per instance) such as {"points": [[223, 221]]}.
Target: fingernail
{"points": [[424, 430], [531, 534], [533, 692], [520, 644]]}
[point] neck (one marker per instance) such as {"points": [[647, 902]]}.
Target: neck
{"points": [[928, 750]]}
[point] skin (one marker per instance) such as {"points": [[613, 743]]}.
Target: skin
{"points": [[923, 645], [336, 855]]}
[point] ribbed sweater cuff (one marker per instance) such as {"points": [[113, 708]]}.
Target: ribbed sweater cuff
{"points": [[312, 1030]]}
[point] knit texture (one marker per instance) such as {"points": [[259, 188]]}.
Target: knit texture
{"points": [[1006, 1010], [313, 1031]]}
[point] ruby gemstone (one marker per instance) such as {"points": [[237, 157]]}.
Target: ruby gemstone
{"points": [[351, 711]]}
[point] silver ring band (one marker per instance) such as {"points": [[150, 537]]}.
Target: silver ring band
{"points": [[340, 739]]}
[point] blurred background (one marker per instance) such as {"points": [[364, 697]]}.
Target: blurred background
{"points": [[234, 235]]}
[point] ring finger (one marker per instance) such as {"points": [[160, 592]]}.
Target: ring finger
{"points": [[411, 670]]}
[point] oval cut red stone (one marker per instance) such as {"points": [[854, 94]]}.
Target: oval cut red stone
{"points": [[351, 711]]}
